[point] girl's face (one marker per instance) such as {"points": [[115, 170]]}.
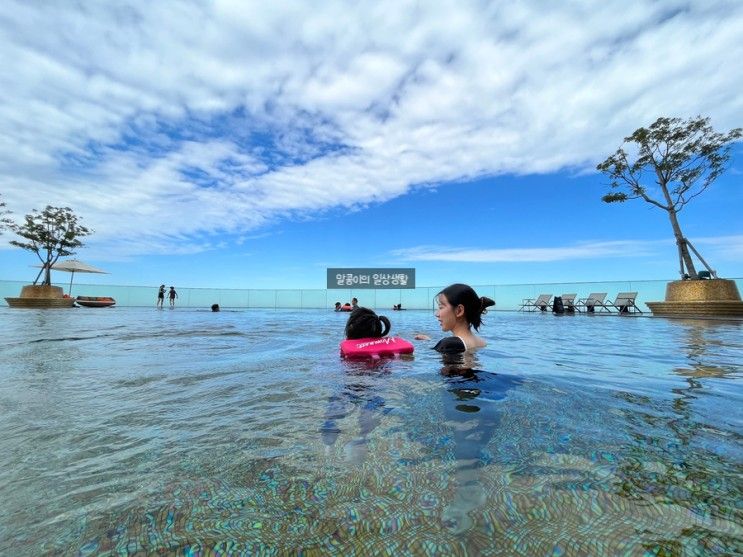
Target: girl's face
{"points": [[447, 314]]}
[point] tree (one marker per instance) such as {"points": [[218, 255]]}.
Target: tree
{"points": [[50, 234], [683, 158], [5, 222]]}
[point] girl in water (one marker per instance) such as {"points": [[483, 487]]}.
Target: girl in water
{"points": [[459, 310], [366, 337], [364, 323]]}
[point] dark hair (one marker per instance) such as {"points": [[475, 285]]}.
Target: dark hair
{"points": [[474, 306], [215, 307], [364, 323]]}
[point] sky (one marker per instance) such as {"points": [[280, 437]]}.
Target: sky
{"points": [[241, 144]]}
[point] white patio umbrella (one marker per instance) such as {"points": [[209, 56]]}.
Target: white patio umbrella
{"points": [[74, 266]]}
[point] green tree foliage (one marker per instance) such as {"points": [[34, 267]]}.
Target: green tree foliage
{"points": [[50, 234], [5, 222], [671, 162]]}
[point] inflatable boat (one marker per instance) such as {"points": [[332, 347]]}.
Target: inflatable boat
{"points": [[95, 301]]}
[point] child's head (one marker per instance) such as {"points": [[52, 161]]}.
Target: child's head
{"points": [[337, 305], [364, 323], [474, 305]]}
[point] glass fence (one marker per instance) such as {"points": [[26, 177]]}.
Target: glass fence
{"points": [[508, 297]]}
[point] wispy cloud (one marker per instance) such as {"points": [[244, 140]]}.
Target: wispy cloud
{"points": [[720, 248], [232, 114], [520, 255]]}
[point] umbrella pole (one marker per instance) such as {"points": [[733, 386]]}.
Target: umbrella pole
{"points": [[72, 276]]}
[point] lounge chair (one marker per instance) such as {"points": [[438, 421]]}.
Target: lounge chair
{"points": [[568, 302], [593, 301], [542, 302], [624, 303]]}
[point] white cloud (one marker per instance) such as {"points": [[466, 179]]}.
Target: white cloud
{"points": [[163, 100], [720, 248], [622, 248]]}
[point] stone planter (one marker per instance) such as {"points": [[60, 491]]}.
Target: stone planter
{"points": [[41, 296], [700, 298]]}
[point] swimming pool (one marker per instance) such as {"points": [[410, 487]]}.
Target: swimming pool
{"points": [[132, 430]]}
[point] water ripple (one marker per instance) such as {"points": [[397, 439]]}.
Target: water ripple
{"points": [[136, 431]]}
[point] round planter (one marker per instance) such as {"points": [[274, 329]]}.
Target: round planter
{"points": [[702, 290], [41, 296], [700, 298], [41, 291]]}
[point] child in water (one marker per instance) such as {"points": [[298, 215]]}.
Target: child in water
{"points": [[366, 337], [364, 323], [459, 309]]}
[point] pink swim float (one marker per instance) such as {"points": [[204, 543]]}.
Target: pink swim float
{"points": [[387, 347]]}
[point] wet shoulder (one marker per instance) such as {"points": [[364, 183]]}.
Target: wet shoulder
{"points": [[450, 345]]}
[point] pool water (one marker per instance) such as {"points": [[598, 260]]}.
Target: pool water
{"points": [[131, 431]]}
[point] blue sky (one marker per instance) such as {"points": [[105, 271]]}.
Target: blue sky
{"points": [[245, 145]]}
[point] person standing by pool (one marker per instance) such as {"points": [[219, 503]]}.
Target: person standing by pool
{"points": [[172, 295], [459, 309], [161, 296], [354, 303]]}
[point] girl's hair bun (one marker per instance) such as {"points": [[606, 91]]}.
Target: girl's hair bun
{"points": [[364, 323], [485, 303]]}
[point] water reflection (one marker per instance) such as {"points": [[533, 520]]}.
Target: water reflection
{"points": [[360, 392], [702, 339], [472, 414], [123, 444], [673, 462], [677, 458]]}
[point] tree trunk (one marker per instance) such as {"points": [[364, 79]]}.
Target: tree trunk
{"points": [[683, 249], [684, 254], [48, 269]]}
